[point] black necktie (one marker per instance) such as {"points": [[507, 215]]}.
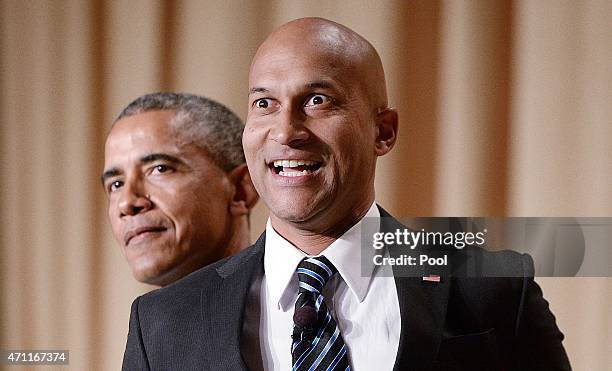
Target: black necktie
{"points": [[317, 342]]}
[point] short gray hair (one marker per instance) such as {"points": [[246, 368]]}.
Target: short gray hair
{"points": [[208, 124]]}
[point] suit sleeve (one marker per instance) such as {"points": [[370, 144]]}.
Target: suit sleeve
{"points": [[135, 357], [540, 340]]}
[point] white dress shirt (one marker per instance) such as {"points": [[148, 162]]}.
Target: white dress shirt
{"points": [[365, 306]]}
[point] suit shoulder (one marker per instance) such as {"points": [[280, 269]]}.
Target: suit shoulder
{"points": [[503, 263], [195, 282], [494, 281]]}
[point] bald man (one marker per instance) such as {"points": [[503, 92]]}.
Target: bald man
{"points": [[300, 298]]}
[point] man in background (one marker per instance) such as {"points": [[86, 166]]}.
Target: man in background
{"points": [[179, 192]]}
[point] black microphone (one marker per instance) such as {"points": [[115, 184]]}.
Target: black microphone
{"points": [[304, 318]]}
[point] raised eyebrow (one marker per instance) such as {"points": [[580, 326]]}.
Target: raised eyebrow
{"points": [[258, 90], [109, 174], [321, 85]]}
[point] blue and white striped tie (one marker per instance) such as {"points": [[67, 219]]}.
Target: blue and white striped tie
{"points": [[317, 345]]}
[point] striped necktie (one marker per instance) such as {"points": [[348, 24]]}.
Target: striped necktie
{"points": [[317, 342]]}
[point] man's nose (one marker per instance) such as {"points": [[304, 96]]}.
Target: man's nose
{"points": [[290, 129], [133, 200]]}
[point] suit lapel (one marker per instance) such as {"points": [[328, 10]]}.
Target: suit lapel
{"points": [[223, 303], [422, 307]]}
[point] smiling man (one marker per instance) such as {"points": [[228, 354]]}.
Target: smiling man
{"points": [[178, 189], [321, 102], [299, 298]]}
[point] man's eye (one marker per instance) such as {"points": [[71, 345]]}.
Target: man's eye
{"points": [[317, 99], [161, 169], [115, 185], [262, 103]]}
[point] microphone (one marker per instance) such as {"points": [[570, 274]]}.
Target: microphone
{"points": [[304, 318]]}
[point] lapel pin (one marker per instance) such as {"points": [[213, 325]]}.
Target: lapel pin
{"points": [[431, 278]]}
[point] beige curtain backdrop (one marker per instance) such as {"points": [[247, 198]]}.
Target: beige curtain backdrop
{"points": [[504, 110]]}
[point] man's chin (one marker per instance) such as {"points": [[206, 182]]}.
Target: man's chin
{"points": [[158, 280], [151, 273], [144, 277], [291, 214], [303, 213]]}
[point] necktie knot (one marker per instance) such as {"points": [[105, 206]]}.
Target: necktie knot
{"points": [[313, 273]]}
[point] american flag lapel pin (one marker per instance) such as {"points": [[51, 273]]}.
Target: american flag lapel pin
{"points": [[431, 278]]}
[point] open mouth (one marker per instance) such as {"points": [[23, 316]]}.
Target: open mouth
{"points": [[293, 168]]}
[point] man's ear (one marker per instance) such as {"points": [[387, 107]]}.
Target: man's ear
{"points": [[386, 131], [245, 195]]}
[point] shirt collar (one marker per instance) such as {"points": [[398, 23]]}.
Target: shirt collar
{"points": [[281, 259]]}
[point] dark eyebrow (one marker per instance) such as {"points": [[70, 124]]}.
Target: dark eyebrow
{"points": [[258, 90], [144, 160], [311, 85], [159, 156], [109, 174], [321, 85]]}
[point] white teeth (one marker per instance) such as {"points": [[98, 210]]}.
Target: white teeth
{"points": [[293, 163], [294, 173]]}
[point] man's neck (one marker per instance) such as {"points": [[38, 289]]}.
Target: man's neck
{"points": [[313, 238], [239, 238]]}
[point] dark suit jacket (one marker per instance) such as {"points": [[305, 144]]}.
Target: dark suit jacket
{"points": [[456, 324]]}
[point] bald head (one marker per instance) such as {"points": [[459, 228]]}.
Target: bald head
{"points": [[332, 43]]}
